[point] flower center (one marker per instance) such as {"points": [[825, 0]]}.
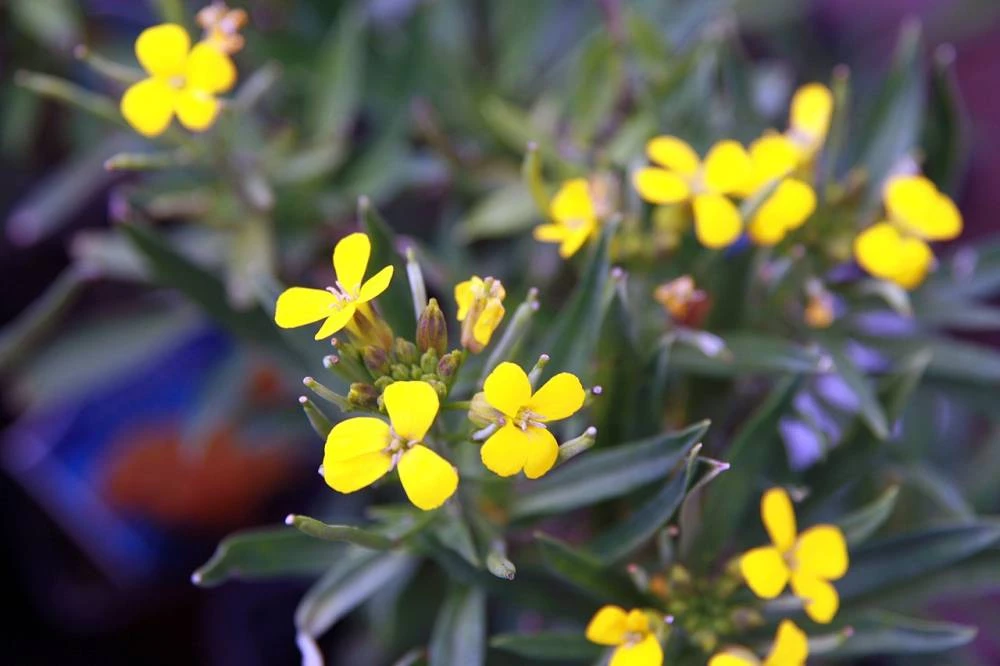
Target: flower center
{"points": [[526, 418], [342, 295], [397, 446], [634, 637]]}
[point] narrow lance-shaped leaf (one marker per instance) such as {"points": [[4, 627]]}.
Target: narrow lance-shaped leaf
{"points": [[882, 633], [395, 303], [266, 553], [746, 353], [871, 411], [587, 572], [460, 631], [548, 645], [347, 533], [861, 524]]}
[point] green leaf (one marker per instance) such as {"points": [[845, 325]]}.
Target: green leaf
{"points": [[266, 553], [881, 633], [905, 558], [861, 524], [453, 533], [958, 314], [601, 475], [545, 645], [748, 353], [944, 132], [395, 303], [871, 410], [340, 70], [506, 211], [357, 575], [531, 176], [460, 631], [356, 535], [55, 24], [964, 362], [18, 337], [587, 572], [596, 86]]}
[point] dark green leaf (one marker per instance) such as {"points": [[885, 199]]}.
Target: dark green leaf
{"points": [[749, 353], [861, 524], [356, 535], [460, 631], [881, 633], [597, 85], [871, 410], [266, 553], [562, 645], [964, 362], [395, 302], [504, 212], [587, 572], [340, 69], [944, 132], [600, 475]]}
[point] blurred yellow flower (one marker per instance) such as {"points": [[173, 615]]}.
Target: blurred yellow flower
{"points": [[896, 249], [299, 306], [523, 442], [182, 81], [791, 648], [680, 175], [574, 218], [360, 451], [809, 561], [773, 158], [809, 118], [480, 309], [629, 633]]}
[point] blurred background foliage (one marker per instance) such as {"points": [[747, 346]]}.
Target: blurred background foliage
{"points": [[150, 402]]}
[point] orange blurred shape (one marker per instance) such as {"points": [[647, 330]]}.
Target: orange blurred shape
{"points": [[215, 484]]}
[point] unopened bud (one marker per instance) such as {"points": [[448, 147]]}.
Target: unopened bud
{"points": [[376, 360], [578, 445], [481, 413], [432, 329], [449, 364], [746, 619], [363, 396], [406, 352], [429, 362], [400, 372]]}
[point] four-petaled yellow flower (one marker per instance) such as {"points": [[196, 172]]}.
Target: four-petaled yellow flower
{"points": [[630, 633], [809, 561], [361, 450], [574, 218], [523, 442], [809, 119], [681, 176], [299, 306], [896, 249], [182, 81], [791, 648], [480, 309], [773, 158]]}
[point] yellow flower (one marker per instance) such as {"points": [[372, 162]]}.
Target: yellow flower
{"points": [[574, 215], [896, 249], [299, 306], [630, 633], [523, 442], [774, 157], [809, 118], [791, 647], [362, 450], [809, 561], [480, 309], [681, 176], [182, 81]]}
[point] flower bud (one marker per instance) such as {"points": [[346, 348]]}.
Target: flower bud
{"points": [[432, 329], [376, 360], [429, 362], [369, 328], [686, 305], [481, 413], [480, 309], [449, 364], [406, 352], [400, 372], [363, 396]]}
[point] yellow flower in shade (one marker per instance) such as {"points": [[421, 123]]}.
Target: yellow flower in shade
{"points": [[809, 561], [299, 306], [791, 647], [183, 81], [773, 158], [480, 309], [896, 249], [809, 118], [630, 634], [523, 442], [574, 218], [362, 450], [679, 176]]}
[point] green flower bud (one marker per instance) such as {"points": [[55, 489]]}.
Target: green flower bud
{"points": [[363, 396], [375, 360], [449, 364], [382, 382], [400, 372], [432, 329], [429, 362], [481, 413], [406, 352]]}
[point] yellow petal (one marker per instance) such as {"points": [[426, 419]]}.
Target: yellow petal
{"points": [[148, 106], [195, 109], [820, 597], [727, 168], [717, 221], [877, 250], [163, 50], [505, 453], [773, 156], [734, 656], [660, 186], [337, 320], [507, 388], [465, 294], [575, 239], [209, 69], [607, 627], [946, 223], [765, 571], [572, 202], [812, 107], [915, 260], [915, 204], [412, 407], [488, 321], [791, 204], [542, 452], [299, 306], [558, 398], [350, 261], [791, 646], [646, 652], [822, 552], [637, 621], [375, 285], [353, 474], [427, 478], [673, 154], [355, 437], [778, 515]]}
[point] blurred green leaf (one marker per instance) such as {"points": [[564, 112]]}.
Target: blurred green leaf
{"points": [[340, 71], [531, 177], [596, 85], [861, 524], [958, 314], [746, 353], [548, 645], [348, 533], [395, 303], [964, 362], [505, 211], [453, 532], [881, 633], [587, 572], [601, 475], [17, 338], [944, 131], [871, 410], [460, 631], [55, 24], [266, 553]]}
